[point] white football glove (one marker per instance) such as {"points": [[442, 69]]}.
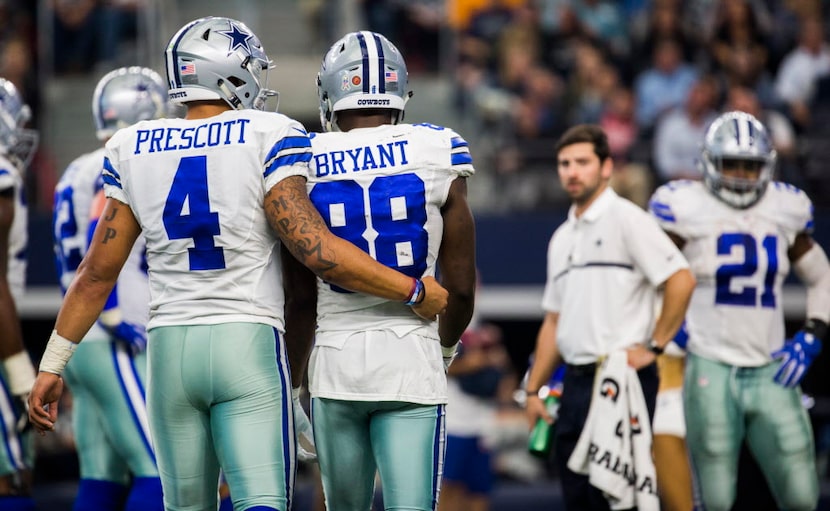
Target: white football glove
{"points": [[303, 430]]}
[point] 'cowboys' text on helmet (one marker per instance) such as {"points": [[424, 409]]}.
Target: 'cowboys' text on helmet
{"points": [[737, 138], [361, 70], [125, 96], [218, 58]]}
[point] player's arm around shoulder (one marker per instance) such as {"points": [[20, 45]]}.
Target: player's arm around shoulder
{"points": [[301, 228], [456, 259]]}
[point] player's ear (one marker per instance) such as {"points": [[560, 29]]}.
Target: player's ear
{"points": [[607, 168]]}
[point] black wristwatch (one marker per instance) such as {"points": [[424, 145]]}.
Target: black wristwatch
{"points": [[654, 347]]}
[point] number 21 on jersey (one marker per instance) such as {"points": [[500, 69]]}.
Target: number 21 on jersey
{"points": [[729, 244]]}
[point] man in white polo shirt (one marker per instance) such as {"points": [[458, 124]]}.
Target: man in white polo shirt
{"points": [[605, 265]]}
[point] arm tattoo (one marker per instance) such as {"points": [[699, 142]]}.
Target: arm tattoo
{"points": [[299, 226], [109, 234], [111, 215]]}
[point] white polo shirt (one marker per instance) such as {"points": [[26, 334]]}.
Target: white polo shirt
{"points": [[603, 271]]}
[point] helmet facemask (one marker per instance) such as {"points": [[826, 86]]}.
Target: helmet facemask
{"points": [[18, 143], [737, 140]]}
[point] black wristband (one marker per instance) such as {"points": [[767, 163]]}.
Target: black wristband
{"points": [[816, 327], [655, 348]]}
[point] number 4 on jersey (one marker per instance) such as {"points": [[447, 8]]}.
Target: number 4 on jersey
{"points": [[187, 214]]}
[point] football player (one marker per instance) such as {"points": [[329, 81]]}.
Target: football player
{"points": [[397, 191], [17, 146], [209, 192], [108, 373], [742, 233]]}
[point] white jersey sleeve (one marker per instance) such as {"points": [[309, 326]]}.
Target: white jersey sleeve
{"points": [[739, 258], [71, 211], [672, 207], [197, 187], [12, 180]]}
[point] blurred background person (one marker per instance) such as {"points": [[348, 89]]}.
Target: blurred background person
{"points": [[17, 454], [480, 380]]}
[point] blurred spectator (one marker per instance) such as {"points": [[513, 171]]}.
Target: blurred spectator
{"points": [[591, 99], [738, 35], [663, 23], [118, 21], [631, 179], [74, 35], [796, 78], [17, 65], [665, 84], [603, 21], [679, 134], [90, 33], [739, 50], [479, 382]]}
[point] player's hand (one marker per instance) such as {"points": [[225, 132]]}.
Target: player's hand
{"points": [[435, 299], [535, 409], [303, 430], [43, 401], [135, 336], [796, 356]]}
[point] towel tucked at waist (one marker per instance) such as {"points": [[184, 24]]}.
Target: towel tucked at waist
{"points": [[614, 448]]}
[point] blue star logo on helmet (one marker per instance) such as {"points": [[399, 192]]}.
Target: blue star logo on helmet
{"points": [[239, 38]]}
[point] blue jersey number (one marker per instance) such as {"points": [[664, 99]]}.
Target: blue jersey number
{"points": [[66, 227], [397, 208], [748, 296], [190, 186]]}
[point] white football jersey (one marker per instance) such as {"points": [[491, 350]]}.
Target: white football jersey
{"points": [[197, 187], [10, 177], [382, 189], [739, 258], [70, 212], [74, 194]]}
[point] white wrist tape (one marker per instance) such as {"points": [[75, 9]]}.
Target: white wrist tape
{"points": [[58, 352], [449, 351], [20, 373], [814, 270]]}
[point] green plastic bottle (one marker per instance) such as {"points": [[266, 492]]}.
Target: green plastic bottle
{"points": [[541, 438]]}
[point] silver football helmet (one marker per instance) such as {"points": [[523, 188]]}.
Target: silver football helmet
{"points": [[125, 96], [737, 138], [361, 70], [16, 141], [218, 58]]}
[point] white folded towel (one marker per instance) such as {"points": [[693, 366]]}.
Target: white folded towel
{"points": [[614, 449]]}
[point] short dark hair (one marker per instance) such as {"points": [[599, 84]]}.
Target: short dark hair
{"points": [[590, 133]]}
